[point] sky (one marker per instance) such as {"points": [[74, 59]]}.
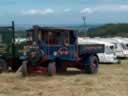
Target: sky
{"points": [[52, 12]]}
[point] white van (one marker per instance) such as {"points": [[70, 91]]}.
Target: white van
{"points": [[121, 49]]}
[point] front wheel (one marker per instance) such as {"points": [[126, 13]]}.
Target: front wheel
{"points": [[3, 66], [52, 68], [24, 68], [91, 65]]}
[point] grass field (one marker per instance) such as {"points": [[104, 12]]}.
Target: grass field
{"points": [[112, 80]]}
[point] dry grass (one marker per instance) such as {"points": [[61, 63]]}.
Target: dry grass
{"points": [[112, 80]]}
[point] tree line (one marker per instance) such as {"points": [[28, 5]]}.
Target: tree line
{"points": [[109, 30]]}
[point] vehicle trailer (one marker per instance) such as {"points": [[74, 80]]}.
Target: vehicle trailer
{"points": [[9, 50], [53, 50]]}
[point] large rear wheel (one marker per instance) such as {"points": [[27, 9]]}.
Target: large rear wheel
{"points": [[92, 65]]}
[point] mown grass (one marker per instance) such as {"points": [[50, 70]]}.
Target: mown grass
{"points": [[111, 80]]}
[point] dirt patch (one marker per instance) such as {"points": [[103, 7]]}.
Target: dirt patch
{"points": [[112, 80]]}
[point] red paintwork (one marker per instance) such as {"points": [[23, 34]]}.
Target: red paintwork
{"points": [[94, 64], [38, 70]]}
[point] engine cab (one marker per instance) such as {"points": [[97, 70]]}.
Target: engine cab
{"points": [[54, 42]]}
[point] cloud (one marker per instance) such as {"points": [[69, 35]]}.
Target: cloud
{"points": [[124, 7], [38, 11], [67, 10], [111, 8], [86, 10], [105, 8]]}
